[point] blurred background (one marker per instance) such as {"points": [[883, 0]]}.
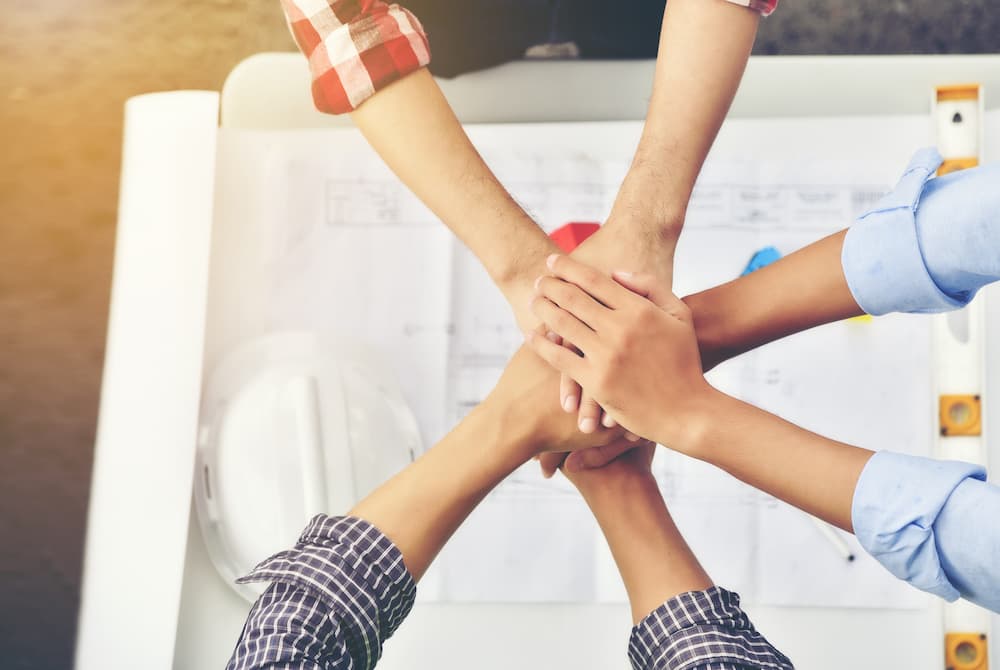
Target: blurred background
{"points": [[66, 69]]}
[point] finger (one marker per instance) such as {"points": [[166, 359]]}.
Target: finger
{"points": [[591, 280], [607, 420], [590, 414], [569, 393], [558, 356], [569, 390], [574, 300], [648, 286], [562, 323], [597, 457], [550, 462]]}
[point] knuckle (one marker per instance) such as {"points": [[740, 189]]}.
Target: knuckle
{"points": [[647, 316], [535, 303], [622, 339], [571, 298], [547, 285], [616, 359], [603, 377], [589, 275], [559, 319]]}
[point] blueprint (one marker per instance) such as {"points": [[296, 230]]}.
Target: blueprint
{"points": [[318, 234]]}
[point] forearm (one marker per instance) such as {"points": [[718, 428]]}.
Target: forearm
{"points": [[802, 468], [800, 291], [704, 47], [654, 561], [413, 128], [931, 260], [421, 507]]}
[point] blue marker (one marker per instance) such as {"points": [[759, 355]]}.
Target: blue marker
{"points": [[760, 259]]}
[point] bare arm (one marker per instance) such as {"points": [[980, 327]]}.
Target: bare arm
{"points": [[921, 518], [704, 48], [641, 356], [415, 131], [654, 561], [421, 507], [677, 611], [804, 469], [800, 291]]}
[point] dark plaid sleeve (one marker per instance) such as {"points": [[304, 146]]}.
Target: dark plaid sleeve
{"points": [[702, 630], [333, 602]]}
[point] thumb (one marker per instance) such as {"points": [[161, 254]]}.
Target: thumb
{"points": [[649, 286], [550, 462]]}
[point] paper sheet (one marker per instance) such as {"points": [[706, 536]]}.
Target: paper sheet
{"points": [[318, 234]]}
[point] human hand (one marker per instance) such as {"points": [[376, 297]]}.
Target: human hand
{"points": [[640, 357], [631, 465], [636, 235], [522, 402]]}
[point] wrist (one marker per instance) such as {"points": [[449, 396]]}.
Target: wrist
{"points": [[608, 492], [511, 430], [691, 429], [710, 326], [519, 269], [650, 198]]}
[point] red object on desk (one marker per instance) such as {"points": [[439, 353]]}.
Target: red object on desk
{"points": [[572, 235]]}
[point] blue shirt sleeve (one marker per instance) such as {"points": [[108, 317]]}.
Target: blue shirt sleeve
{"points": [[933, 524], [702, 630], [930, 244], [335, 598]]}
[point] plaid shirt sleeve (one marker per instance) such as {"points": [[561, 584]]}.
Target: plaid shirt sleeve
{"points": [[358, 47], [355, 47], [702, 630], [765, 7], [333, 602]]}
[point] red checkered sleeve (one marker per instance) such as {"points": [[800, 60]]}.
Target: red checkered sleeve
{"points": [[355, 47], [765, 7]]}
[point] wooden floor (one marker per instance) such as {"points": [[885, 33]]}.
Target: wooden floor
{"points": [[66, 68]]}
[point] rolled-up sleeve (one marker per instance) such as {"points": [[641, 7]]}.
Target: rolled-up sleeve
{"points": [[355, 47], [933, 524], [333, 602], [702, 630], [930, 244]]}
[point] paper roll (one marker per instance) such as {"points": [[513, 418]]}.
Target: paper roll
{"points": [[144, 455]]}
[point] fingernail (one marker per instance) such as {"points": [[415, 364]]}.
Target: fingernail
{"points": [[621, 274], [569, 403], [552, 336], [631, 437], [608, 421], [551, 260], [537, 282], [588, 425]]}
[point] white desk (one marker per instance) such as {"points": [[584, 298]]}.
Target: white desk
{"points": [[272, 91]]}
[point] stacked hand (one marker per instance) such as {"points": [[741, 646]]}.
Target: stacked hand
{"points": [[627, 239], [626, 468], [525, 391], [638, 353]]}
